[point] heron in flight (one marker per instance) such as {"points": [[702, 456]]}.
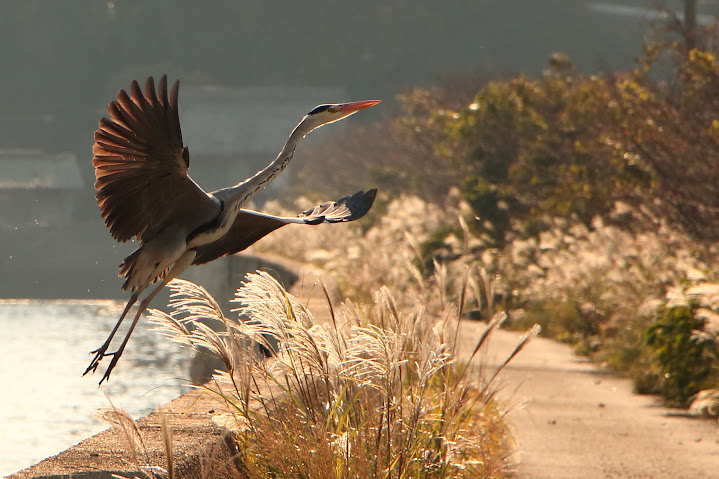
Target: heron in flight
{"points": [[144, 192]]}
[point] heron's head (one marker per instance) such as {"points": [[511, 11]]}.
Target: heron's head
{"points": [[323, 114]]}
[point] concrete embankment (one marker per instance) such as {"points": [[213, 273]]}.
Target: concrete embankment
{"points": [[199, 446]]}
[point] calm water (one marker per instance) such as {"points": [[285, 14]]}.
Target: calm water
{"points": [[45, 403]]}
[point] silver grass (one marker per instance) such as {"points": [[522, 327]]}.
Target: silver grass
{"points": [[170, 327], [705, 402], [378, 361], [191, 302], [440, 276], [167, 442], [122, 421], [374, 355]]}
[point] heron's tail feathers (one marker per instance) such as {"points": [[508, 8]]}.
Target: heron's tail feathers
{"points": [[128, 270]]}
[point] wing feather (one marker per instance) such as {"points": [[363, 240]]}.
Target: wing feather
{"points": [[141, 166], [251, 226]]}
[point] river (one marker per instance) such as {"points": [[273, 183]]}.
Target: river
{"points": [[46, 405]]}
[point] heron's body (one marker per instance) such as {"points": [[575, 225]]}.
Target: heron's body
{"points": [[144, 192]]}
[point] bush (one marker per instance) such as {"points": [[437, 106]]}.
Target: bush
{"points": [[541, 146], [684, 361], [672, 130], [484, 197]]}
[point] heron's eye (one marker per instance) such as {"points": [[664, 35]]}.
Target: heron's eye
{"points": [[334, 108]]}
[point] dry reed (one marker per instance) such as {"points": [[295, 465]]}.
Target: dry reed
{"points": [[377, 392]]}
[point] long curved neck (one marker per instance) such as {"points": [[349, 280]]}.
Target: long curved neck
{"points": [[235, 196]]}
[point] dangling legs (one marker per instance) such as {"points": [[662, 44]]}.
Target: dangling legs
{"points": [[100, 352], [180, 265]]}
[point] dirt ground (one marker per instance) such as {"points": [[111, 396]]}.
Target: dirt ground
{"points": [[573, 420]]}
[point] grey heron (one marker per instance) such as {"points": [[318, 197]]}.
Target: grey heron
{"points": [[144, 192]]}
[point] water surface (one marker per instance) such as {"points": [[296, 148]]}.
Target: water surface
{"points": [[45, 403]]}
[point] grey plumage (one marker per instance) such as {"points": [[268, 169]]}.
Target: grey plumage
{"points": [[144, 192]]}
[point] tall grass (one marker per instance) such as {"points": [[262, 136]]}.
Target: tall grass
{"points": [[376, 391], [602, 287]]}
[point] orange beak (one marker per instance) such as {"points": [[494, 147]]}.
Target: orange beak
{"points": [[358, 105]]}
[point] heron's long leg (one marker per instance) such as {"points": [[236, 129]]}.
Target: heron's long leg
{"points": [[180, 265], [100, 352]]}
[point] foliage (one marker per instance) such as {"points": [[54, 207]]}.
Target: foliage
{"points": [[516, 149], [540, 133], [595, 287], [607, 290], [700, 295], [483, 196], [684, 361], [672, 129], [564, 144], [570, 144]]}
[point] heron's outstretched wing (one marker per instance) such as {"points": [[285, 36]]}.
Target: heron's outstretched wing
{"points": [[250, 226], [141, 166]]}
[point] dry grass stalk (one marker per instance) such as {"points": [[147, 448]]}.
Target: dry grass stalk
{"points": [[375, 393], [121, 420]]}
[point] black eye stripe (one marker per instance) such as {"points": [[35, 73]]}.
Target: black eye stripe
{"points": [[319, 109]]}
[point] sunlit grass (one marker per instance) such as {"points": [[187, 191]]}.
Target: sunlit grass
{"points": [[379, 391], [599, 287]]}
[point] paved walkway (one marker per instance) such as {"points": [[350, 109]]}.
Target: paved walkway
{"points": [[577, 421]]}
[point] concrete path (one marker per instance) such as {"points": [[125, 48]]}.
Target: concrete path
{"points": [[577, 421]]}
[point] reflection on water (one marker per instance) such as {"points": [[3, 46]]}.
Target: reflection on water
{"points": [[45, 403]]}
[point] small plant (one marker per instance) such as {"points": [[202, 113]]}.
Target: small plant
{"points": [[378, 392]]}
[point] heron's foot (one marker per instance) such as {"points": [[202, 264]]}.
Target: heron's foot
{"points": [[115, 358], [99, 353]]}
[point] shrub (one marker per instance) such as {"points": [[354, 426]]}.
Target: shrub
{"points": [[684, 361], [564, 144], [671, 128]]}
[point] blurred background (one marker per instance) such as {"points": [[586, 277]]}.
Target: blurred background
{"points": [[249, 71]]}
